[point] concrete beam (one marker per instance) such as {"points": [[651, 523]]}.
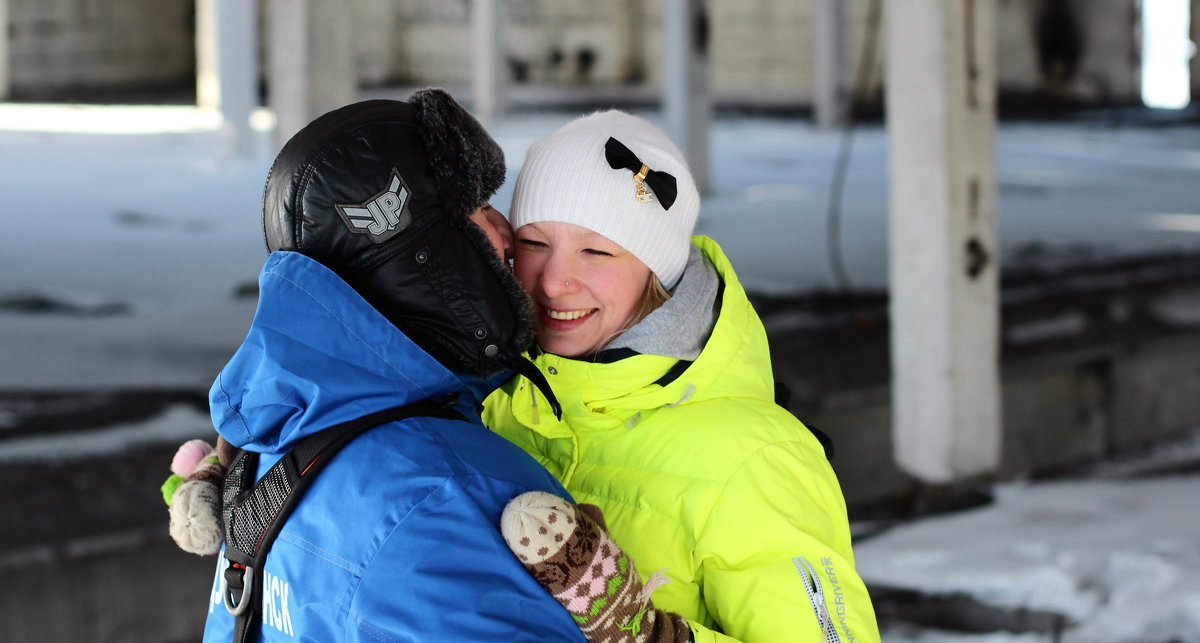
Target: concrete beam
{"points": [[488, 70], [310, 61], [5, 87], [685, 84], [943, 261], [227, 67], [830, 81]]}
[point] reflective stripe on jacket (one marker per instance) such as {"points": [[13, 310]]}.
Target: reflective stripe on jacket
{"points": [[703, 476]]}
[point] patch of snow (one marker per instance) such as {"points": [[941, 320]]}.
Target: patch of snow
{"points": [[1180, 308], [1060, 326], [1120, 559], [176, 425]]}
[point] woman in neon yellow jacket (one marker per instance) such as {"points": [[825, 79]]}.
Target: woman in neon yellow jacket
{"points": [[662, 370]]}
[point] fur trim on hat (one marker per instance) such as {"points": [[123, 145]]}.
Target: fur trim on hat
{"points": [[522, 309], [469, 168], [466, 160]]}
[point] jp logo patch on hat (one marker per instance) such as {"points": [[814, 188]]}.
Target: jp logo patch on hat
{"points": [[382, 216]]}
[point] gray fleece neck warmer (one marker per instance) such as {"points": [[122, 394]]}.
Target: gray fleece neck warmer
{"points": [[681, 326]]}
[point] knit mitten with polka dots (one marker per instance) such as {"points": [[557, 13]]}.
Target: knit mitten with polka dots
{"points": [[568, 550]]}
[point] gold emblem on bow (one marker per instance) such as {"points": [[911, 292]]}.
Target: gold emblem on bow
{"points": [[639, 179]]}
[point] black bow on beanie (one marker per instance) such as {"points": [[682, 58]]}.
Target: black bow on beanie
{"points": [[663, 184], [380, 192]]}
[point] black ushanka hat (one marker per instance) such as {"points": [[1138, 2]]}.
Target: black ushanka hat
{"points": [[380, 192]]}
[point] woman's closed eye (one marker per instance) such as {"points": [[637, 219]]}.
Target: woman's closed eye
{"points": [[598, 253], [531, 243]]}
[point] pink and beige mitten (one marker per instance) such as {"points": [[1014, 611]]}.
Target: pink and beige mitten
{"points": [[568, 550], [193, 494]]}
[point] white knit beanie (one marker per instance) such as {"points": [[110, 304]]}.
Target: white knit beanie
{"points": [[567, 178]]}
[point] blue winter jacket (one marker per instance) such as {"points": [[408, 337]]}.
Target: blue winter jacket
{"points": [[398, 538]]}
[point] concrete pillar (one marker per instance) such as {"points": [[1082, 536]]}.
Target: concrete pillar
{"points": [[208, 88], [310, 61], [227, 67], [1166, 54], [830, 81], [1195, 50], [943, 262], [488, 68], [5, 87], [628, 46], [686, 101]]}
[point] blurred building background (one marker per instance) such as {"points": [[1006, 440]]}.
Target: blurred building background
{"points": [[761, 50]]}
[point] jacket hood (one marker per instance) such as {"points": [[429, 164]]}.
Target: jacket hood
{"points": [[316, 355], [735, 363]]}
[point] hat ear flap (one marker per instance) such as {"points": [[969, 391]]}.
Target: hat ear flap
{"points": [[467, 162]]}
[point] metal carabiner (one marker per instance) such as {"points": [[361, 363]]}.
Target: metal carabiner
{"points": [[240, 606]]}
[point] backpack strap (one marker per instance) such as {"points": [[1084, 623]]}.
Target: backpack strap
{"points": [[783, 397], [253, 512]]}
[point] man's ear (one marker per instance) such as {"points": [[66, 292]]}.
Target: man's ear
{"points": [[225, 452]]}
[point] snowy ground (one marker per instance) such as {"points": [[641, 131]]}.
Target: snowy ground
{"points": [[1091, 561], [134, 235], [129, 239]]}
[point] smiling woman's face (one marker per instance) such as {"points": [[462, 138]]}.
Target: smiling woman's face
{"points": [[584, 287]]}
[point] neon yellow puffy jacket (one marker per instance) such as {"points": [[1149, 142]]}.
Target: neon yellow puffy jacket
{"points": [[705, 477]]}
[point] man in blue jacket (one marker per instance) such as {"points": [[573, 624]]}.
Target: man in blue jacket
{"points": [[382, 289]]}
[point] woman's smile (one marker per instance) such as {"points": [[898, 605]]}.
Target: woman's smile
{"points": [[565, 320]]}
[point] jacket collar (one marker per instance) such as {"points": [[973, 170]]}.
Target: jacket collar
{"points": [[317, 355]]}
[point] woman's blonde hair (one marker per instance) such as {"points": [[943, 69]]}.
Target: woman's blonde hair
{"points": [[653, 296]]}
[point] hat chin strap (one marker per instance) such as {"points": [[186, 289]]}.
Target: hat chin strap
{"points": [[524, 367]]}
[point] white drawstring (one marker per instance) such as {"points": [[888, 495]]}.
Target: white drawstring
{"points": [[687, 393]]}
